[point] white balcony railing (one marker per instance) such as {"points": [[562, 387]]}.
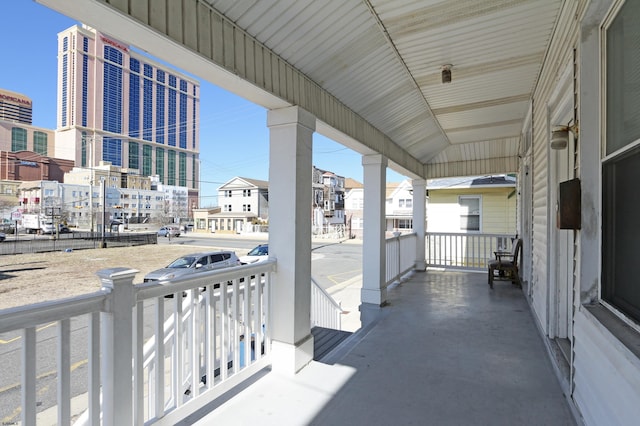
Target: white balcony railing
{"points": [[401, 256], [464, 251], [151, 359], [325, 311], [199, 335]]}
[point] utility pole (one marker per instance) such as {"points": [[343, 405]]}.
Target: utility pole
{"points": [[91, 177], [103, 187]]}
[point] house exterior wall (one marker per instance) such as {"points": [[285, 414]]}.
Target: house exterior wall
{"points": [[603, 373], [560, 56], [354, 211], [497, 215]]}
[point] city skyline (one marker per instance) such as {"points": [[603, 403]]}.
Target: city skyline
{"points": [[234, 138]]}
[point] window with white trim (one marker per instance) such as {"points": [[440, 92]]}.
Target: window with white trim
{"points": [[469, 208], [405, 203], [621, 163]]}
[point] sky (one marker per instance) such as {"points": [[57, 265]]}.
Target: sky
{"points": [[234, 138]]}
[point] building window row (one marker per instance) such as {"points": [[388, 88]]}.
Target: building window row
{"points": [[405, 203]]}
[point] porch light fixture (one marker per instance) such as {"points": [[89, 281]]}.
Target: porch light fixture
{"points": [[446, 73], [560, 136]]}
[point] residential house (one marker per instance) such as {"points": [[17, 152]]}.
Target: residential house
{"points": [[399, 207], [243, 202], [328, 201], [354, 207], [484, 205]]}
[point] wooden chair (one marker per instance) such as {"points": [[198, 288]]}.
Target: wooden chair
{"points": [[506, 265]]}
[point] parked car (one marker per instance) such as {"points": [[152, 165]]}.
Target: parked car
{"points": [[168, 231], [257, 254], [193, 263], [3, 236], [49, 228]]}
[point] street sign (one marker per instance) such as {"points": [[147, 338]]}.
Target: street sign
{"points": [[16, 215]]}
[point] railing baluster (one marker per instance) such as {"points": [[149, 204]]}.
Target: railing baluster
{"points": [[248, 327], [158, 390], [258, 315], [194, 336], [29, 376], [64, 372], [94, 368], [235, 335], [138, 359], [178, 348], [224, 332]]}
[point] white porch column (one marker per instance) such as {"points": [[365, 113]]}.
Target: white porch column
{"points": [[290, 172], [374, 292], [419, 220]]}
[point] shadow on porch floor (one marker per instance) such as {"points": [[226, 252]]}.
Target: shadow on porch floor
{"points": [[446, 351]]}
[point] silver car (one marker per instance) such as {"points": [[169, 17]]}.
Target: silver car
{"points": [[193, 263], [168, 231]]}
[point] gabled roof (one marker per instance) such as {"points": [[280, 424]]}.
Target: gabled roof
{"points": [[242, 182], [350, 183], [394, 188], [495, 181]]}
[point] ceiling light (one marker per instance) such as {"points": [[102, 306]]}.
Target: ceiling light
{"points": [[446, 73]]}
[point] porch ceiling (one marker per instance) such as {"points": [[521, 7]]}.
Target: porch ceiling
{"points": [[382, 59]]}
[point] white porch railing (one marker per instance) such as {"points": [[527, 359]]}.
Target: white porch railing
{"points": [[464, 251], [325, 311], [401, 256], [200, 339]]}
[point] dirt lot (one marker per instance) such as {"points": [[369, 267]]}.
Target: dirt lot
{"points": [[31, 278]]}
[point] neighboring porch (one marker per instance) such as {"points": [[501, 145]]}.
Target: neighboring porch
{"points": [[446, 350]]}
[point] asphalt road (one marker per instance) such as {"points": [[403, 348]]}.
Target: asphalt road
{"points": [[332, 263]]}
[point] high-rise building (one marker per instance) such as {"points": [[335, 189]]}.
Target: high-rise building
{"points": [[15, 107], [119, 106]]}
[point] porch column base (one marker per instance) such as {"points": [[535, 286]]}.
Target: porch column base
{"points": [[421, 266], [369, 313], [289, 359], [375, 296]]}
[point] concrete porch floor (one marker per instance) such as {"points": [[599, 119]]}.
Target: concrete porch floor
{"points": [[446, 351]]}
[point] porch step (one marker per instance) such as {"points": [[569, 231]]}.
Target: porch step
{"points": [[325, 340]]}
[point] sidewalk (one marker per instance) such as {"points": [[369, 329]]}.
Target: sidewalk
{"points": [[347, 294]]}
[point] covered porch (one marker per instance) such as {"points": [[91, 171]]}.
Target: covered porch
{"points": [[446, 350], [428, 89]]}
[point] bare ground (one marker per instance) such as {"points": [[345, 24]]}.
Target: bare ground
{"points": [[39, 277]]}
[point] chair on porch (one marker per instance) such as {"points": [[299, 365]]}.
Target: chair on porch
{"points": [[506, 265]]}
